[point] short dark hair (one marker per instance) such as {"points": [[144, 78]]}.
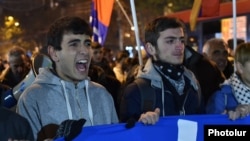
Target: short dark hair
{"points": [[17, 51], [231, 41], [75, 25], [160, 24]]}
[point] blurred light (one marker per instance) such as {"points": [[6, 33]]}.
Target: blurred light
{"points": [[191, 39], [132, 28], [170, 4], [56, 4], [127, 35], [16, 23], [10, 18]]}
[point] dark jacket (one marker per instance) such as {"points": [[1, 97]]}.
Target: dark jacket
{"points": [[206, 72], [172, 103], [8, 78], [14, 126]]}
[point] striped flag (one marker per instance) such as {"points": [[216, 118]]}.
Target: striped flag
{"points": [[203, 8], [101, 11]]}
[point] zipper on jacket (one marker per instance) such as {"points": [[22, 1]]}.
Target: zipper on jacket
{"points": [[182, 111]]}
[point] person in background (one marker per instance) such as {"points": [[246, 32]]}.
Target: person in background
{"points": [[65, 92], [99, 60], [176, 90], [102, 73], [108, 54], [205, 70], [230, 43], [132, 66], [12, 125], [19, 66], [233, 98], [1, 65], [216, 49], [119, 68]]}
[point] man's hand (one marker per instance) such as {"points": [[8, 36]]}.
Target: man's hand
{"points": [[240, 112], [150, 117]]}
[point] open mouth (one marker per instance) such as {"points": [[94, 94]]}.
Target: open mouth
{"points": [[81, 65]]}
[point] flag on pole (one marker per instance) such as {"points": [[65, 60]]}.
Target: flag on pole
{"points": [[194, 14], [101, 11], [203, 8]]}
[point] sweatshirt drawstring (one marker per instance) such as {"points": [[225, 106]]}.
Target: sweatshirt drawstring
{"points": [[69, 110], [89, 103], [67, 100]]}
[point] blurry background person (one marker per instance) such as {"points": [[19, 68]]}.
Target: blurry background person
{"points": [[108, 54], [230, 43], [119, 68], [19, 66], [101, 72], [216, 49], [205, 70], [233, 96], [1, 65], [99, 60]]}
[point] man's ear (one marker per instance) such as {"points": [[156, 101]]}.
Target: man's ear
{"points": [[52, 53], [150, 49]]}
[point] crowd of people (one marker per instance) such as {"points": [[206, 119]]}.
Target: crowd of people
{"points": [[85, 84]]}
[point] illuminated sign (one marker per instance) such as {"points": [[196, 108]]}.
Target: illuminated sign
{"points": [[227, 28]]}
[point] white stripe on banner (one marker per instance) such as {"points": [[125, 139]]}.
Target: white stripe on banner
{"points": [[187, 130]]}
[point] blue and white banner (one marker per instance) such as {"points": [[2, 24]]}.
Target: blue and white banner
{"points": [[172, 128]]}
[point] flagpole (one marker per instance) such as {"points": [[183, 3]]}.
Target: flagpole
{"points": [[234, 28], [136, 31], [234, 24], [124, 12]]}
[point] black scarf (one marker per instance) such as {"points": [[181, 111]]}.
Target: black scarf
{"points": [[173, 71]]}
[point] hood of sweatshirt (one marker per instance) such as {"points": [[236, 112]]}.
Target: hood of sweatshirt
{"points": [[47, 77]]}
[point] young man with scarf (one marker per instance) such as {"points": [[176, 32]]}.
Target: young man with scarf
{"points": [[233, 97], [175, 88]]}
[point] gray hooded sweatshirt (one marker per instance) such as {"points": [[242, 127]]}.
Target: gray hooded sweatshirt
{"points": [[50, 100]]}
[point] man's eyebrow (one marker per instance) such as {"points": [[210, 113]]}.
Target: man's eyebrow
{"points": [[172, 37], [74, 40]]}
